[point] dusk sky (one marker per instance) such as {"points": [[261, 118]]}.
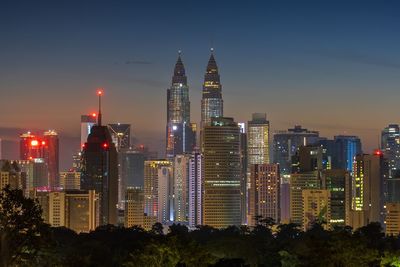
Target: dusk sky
{"points": [[331, 66]]}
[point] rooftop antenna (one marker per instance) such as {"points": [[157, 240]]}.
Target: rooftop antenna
{"points": [[99, 93]]}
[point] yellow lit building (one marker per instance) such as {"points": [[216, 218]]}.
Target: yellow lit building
{"points": [[316, 208], [392, 219], [134, 207], [70, 180]]}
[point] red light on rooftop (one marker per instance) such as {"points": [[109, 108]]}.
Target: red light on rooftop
{"points": [[105, 145], [30, 158], [83, 145], [378, 152], [34, 143], [99, 91], [94, 115], [43, 143]]}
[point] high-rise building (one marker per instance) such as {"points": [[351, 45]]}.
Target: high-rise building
{"points": [[316, 208], [10, 174], [31, 147], [51, 156], [87, 122], [392, 221], [390, 145], [70, 180], [74, 209], [100, 169], [211, 102], [244, 172], [152, 170], [348, 146], [298, 183], [337, 182], [258, 139], [368, 192], [196, 179], [180, 132], [181, 188], [286, 143], [165, 212], [121, 135], [222, 187], [134, 207], [308, 158], [35, 173], [264, 192]]}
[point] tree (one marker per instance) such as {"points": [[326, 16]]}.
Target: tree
{"points": [[22, 229]]}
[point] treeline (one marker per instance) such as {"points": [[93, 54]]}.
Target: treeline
{"points": [[26, 241]]}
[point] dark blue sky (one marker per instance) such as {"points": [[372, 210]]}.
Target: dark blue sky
{"points": [[332, 66]]}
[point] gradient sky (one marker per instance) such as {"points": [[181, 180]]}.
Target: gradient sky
{"points": [[332, 66]]}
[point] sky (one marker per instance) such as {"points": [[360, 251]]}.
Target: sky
{"points": [[331, 66]]}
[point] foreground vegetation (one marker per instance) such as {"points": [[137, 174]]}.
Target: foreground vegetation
{"points": [[26, 241]]}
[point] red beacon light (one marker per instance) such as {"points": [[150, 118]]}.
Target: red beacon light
{"points": [[378, 152], [100, 92], [94, 115], [105, 145], [43, 143]]}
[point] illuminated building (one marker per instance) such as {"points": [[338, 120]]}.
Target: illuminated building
{"points": [[180, 188], [337, 182], [180, 133], [165, 212], [308, 158], [286, 143], [121, 135], [244, 172], [156, 171], [367, 198], [264, 193], [51, 156], [134, 207], [258, 139], [222, 170], [348, 146], [316, 208], [298, 183], [10, 174], [87, 122], [390, 145], [70, 180], [75, 209], [196, 178], [392, 220], [100, 169], [31, 147], [35, 171], [211, 102]]}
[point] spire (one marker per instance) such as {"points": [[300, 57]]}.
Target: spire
{"points": [[99, 93], [212, 64], [179, 71]]}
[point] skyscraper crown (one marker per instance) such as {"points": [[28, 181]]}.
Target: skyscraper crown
{"points": [[179, 72]]}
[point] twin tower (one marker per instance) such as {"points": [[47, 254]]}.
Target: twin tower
{"points": [[180, 132]]}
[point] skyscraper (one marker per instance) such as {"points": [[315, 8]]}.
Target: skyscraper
{"points": [[390, 145], [51, 156], [121, 135], [264, 193], [196, 179], [87, 122], [367, 198], [286, 144], [100, 169], [180, 134], [30, 147], [134, 207], [222, 191], [316, 208], [258, 139], [348, 146], [211, 102], [181, 189]]}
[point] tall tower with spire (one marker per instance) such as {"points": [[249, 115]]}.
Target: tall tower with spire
{"points": [[180, 133], [211, 102]]}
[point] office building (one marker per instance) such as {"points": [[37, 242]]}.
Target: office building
{"points": [[100, 169], [264, 192], [70, 180], [165, 212], [367, 199], [87, 122], [121, 135], [196, 179], [51, 156], [316, 208], [337, 182], [134, 207], [181, 188], [180, 132], [244, 171], [222, 170], [258, 139], [392, 221], [286, 144], [211, 102]]}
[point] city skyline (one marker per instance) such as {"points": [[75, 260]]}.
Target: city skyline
{"points": [[266, 71]]}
